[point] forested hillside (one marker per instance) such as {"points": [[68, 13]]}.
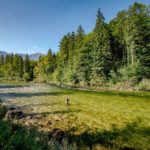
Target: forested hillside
{"points": [[114, 52]]}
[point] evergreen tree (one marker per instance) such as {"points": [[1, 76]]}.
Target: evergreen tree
{"points": [[21, 64], [79, 43], [138, 37], [27, 70], [85, 63], [2, 59], [102, 49], [8, 67], [16, 65], [50, 62], [27, 64], [117, 29], [2, 62], [80, 34], [72, 50], [63, 55]]}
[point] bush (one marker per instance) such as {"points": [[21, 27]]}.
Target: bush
{"points": [[3, 111], [133, 73], [114, 77], [26, 77], [144, 85]]}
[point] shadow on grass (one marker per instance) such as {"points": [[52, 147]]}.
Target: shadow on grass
{"points": [[17, 137], [143, 95], [64, 91], [31, 106], [26, 94], [53, 113], [131, 137], [12, 86]]}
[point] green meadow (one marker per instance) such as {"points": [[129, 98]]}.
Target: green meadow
{"points": [[92, 120]]}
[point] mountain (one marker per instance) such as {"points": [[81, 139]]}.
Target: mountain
{"points": [[3, 53], [34, 56]]}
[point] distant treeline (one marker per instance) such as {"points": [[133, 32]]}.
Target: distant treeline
{"points": [[15, 68], [117, 51]]}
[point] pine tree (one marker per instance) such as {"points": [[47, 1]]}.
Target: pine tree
{"points": [[80, 34], [138, 37], [27, 71], [27, 64], [21, 67], [8, 68], [63, 55], [2, 59], [79, 43], [50, 62], [117, 29], [16, 65], [85, 63], [102, 49], [49, 54], [72, 50]]}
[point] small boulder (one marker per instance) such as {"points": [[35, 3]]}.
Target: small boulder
{"points": [[29, 117]]}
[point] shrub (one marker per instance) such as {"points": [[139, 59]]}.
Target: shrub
{"points": [[144, 85], [3, 111], [26, 77], [134, 73]]}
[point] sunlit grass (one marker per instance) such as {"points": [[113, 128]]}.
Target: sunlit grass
{"points": [[88, 111]]}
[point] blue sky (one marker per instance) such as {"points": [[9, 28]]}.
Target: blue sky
{"points": [[28, 26]]}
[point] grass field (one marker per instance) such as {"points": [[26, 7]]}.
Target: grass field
{"points": [[101, 120]]}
